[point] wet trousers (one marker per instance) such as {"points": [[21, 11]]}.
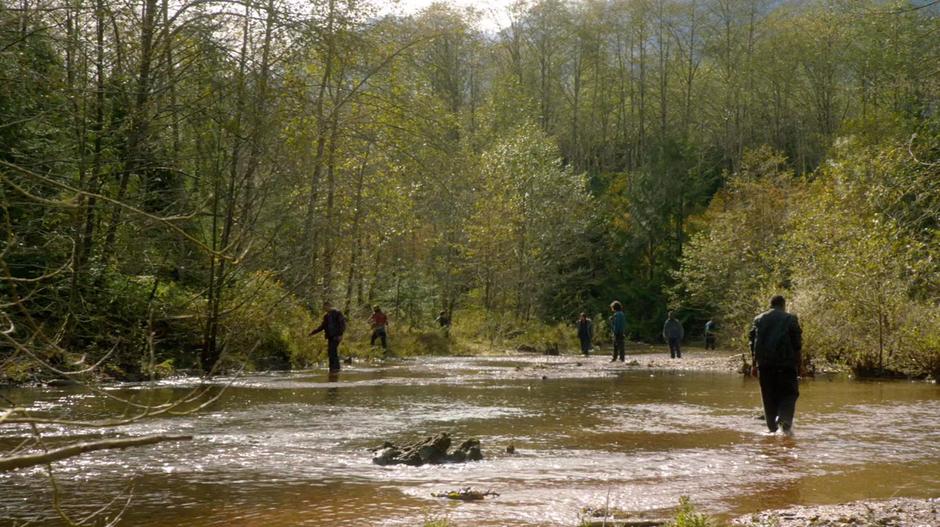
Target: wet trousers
{"points": [[709, 341], [585, 345], [619, 347], [779, 390], [674, 350], [379, 333], [332, 349]]}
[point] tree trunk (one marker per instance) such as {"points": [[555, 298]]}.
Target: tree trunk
{"points": [[140, 124]]}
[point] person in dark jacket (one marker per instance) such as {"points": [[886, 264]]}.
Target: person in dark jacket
{"points": [[673, 333], [443, 320], [585, 334], [333, 327], [379, 321], [710, 336], [618, 326], [776, 351]]}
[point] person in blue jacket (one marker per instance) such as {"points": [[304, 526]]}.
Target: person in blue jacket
{"points": [[618, 326]]}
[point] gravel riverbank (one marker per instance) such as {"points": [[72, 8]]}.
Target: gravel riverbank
{"points": [[899, 512]]}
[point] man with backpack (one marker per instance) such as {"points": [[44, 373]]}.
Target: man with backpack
{"points": [[673, 334], [333, 327], [776, 341]]}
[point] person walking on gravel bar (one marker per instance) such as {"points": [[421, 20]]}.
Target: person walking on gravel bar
{"points": [[776, 357], [710, 337], [673, 333], [379, 323], [618, 326], [585, 333]]}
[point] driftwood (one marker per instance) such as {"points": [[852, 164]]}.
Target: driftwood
{"points": [[28, 460], [465, 494]]}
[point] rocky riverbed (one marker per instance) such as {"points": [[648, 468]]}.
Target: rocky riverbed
{"points": [[900, 512]]}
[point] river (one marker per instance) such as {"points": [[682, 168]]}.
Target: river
{"points": [[292, 448]]}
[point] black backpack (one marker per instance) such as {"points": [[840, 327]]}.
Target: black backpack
{"points": [[335, 323]]}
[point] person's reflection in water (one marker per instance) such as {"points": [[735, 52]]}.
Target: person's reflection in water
{"points": [[332, 393], [783, 473]]}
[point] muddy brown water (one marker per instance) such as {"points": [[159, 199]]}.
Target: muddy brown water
{"points": [[292, 449]]}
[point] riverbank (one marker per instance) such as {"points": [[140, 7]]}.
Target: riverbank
{"points": [[640, 356], [899, 512]]}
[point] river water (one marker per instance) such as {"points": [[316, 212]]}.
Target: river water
{"points": [[292, 449]]}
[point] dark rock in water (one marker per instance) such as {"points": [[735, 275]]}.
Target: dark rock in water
{"points": [[469, 450], [58, 383], [387, 456], [511, 449], [432, 450], [465, 494]]}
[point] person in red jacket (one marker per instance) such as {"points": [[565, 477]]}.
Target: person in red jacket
{"points": [[379, 321]]}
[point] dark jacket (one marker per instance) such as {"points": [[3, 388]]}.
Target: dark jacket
{"points": [[333, 325], [672, 329], [585, 329], [776, 340]]}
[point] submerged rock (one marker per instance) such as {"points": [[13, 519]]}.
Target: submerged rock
{"points": [[431, 450]]}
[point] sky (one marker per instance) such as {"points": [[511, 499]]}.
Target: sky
{"points": [[494, 13]]}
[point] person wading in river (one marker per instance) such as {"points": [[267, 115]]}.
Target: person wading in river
{"points": [[618, 326], [585, 334], [379, 321], [776, 344], [333, 327], [673, 333]]}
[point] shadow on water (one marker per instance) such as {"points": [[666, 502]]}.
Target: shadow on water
{"points": [[292, 449]]}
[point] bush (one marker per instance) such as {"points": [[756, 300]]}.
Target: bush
{"points": [[686, 516], [506, 331], [265, 327]]}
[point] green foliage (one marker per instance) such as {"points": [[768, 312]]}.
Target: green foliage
{"points": [[687, 516], [854, 248], [170, 209], [435, 520], [864, 277], [521, 248], [508, 331], [738, 259], [265, 327]]}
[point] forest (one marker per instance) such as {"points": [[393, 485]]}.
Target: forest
{"points": [[184, 183]]}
